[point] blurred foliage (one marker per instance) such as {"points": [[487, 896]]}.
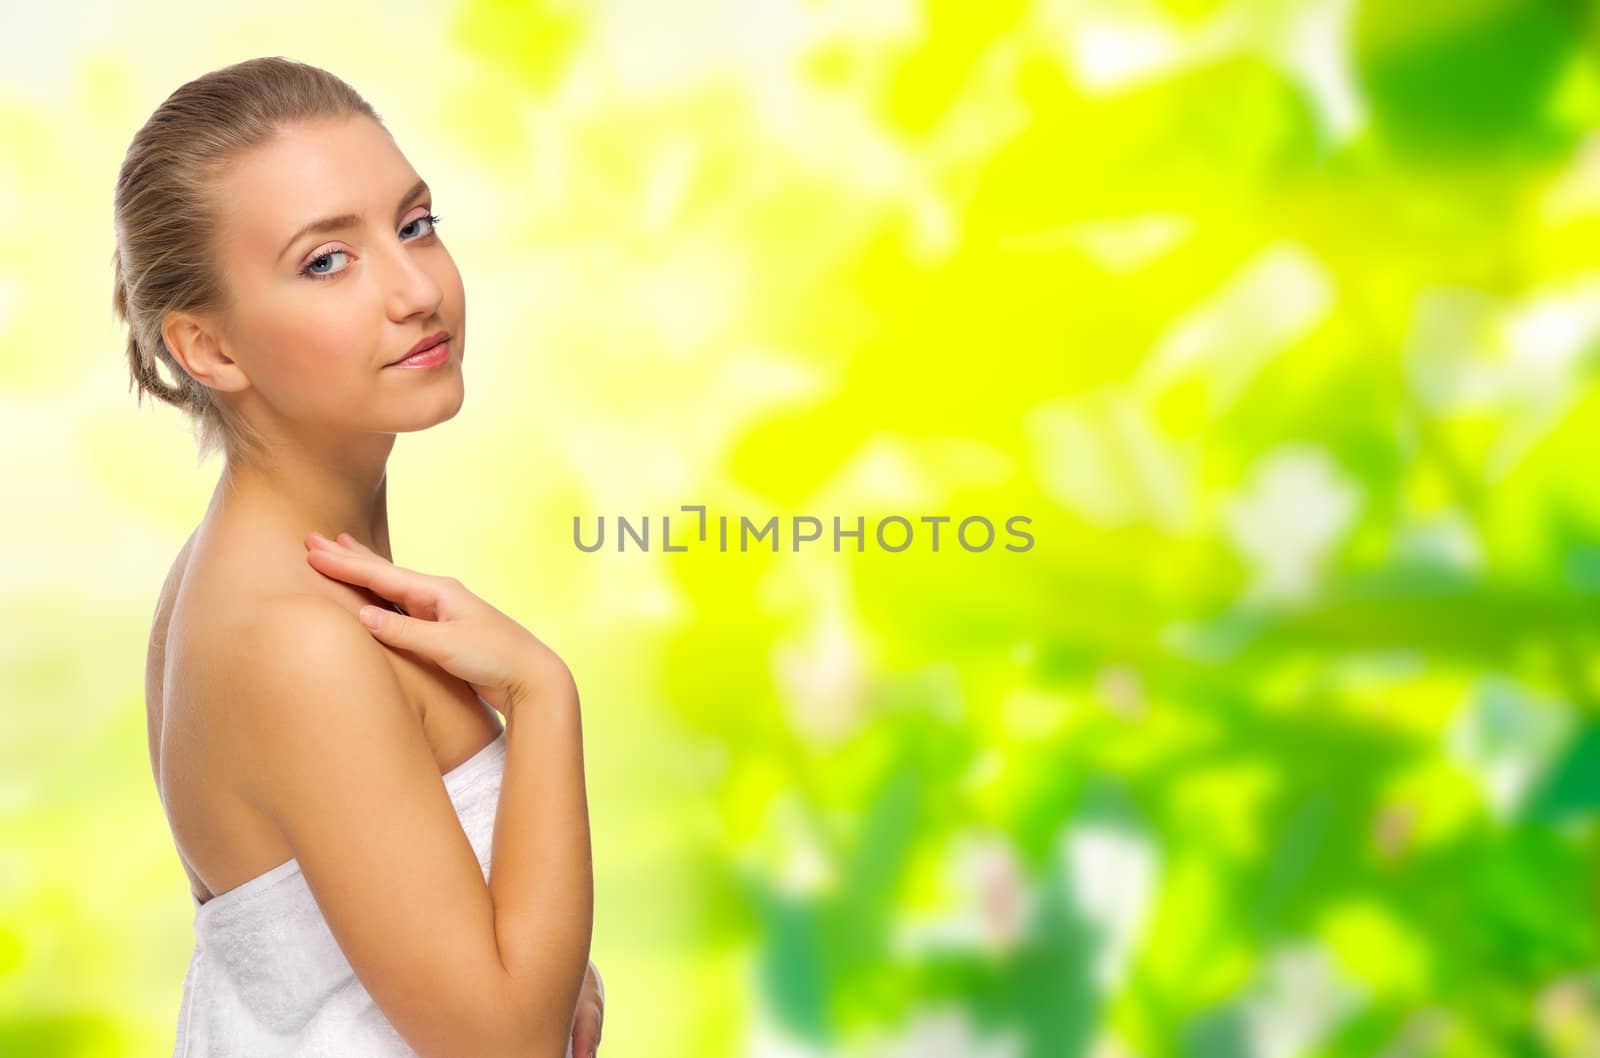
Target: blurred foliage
{"points": [[1279, 321]]}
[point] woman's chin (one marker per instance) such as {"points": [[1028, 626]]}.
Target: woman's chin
{"points": [[422, 414]]}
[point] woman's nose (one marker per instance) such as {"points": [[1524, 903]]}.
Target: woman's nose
{"points": [[412, 287]]}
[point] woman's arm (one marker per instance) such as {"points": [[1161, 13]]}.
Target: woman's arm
{"points": [[541, 885], [327, 747], [541, 877]]}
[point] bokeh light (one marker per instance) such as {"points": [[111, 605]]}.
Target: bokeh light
{"points": [[1278, 321]]}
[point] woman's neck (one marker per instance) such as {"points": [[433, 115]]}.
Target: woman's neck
{"points": [[301, 491]]}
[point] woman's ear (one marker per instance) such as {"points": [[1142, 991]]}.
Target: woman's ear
{"points": [[195, 343]]}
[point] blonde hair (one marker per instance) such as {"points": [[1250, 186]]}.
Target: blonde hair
{"points": [[166, 214]]}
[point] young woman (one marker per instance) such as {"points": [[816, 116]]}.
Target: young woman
{"points": [[337, 787]]}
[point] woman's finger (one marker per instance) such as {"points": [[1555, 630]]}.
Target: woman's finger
{"points": [[403, 633], [350, 542], [347, 542], [586, 1031], [591, 1014], [343, 539], [417, 592], [355, 545]]}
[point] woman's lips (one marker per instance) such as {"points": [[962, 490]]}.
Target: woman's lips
{"points": [[432, 356]]}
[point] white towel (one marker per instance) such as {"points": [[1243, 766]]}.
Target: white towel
{"points": [[268, 979]]}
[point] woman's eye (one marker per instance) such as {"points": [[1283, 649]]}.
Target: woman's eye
{"points": [[312, 271], [311, 266], [428, 219]]}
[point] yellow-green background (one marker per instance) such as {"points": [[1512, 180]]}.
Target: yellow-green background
{"points": [[1280, 320]]}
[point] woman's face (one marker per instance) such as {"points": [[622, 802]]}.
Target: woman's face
{"points": [[319, 316]]}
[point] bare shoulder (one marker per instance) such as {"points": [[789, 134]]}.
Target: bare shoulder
{"points": [[312, 627], [336, 759], [301, 673]]}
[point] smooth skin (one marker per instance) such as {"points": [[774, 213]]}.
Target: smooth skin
{"points": [[286, 703], [502, 662]]}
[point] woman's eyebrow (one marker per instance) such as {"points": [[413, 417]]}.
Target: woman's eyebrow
{"points": [[350, 220]]}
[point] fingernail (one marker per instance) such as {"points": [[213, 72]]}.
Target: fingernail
{"points": [[372, 617]]}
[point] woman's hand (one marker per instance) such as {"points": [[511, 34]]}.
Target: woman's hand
{"points": [[591, 1014], [447, 624]]}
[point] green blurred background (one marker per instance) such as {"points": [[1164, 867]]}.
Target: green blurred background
{"points": [[1281, 322]]}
